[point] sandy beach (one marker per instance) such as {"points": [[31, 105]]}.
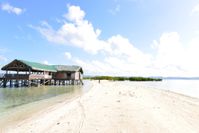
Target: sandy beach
{"points": [[113, 107]]}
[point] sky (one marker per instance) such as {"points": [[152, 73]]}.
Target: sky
{"points": [[106, 37]]}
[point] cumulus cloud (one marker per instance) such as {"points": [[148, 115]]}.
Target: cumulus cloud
{"points": [[123, 48], [172, 58], [175, 58], [11, 9], [118, 56], [169, 49], [78, 32], [75, 14]]}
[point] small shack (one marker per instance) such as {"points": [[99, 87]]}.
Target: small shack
{"points": [[68, 73], [27, 73]]}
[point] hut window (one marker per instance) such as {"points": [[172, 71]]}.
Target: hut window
{"points": [[68, 74]]}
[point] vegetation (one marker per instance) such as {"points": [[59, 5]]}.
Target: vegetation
{"points": [[123, 78]]}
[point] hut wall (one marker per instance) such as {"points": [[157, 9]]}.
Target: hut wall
{"points": [[60, 75], [77, 75], [65, 75], [72, 76]]}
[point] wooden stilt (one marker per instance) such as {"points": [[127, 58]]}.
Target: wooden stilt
{"points": [[4, 83], [10, 83]]}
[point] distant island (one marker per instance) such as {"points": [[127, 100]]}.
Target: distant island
{"points": [[122, 78]]}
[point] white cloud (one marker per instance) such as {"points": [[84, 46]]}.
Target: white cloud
{"points": [[11, 9], [175, 58], [170, 50], [68, 55], [75, 14], [195, 10], [118, 56], [96, 67], [121, 47], [79, 32]]}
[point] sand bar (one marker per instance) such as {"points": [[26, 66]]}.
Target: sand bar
{"points": [[113, 107]]}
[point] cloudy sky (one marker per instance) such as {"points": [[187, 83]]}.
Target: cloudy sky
{"points": [[106, 37]]}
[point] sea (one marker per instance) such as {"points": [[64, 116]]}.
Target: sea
{"points": [[188, 87], [19, 103]]}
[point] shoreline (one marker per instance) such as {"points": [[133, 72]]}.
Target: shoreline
{"points": [[21, 113], [114, 107]]}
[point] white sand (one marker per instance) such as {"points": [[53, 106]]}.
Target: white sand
{"points": [[112, 107]]}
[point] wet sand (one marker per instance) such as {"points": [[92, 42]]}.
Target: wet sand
{"points": [[113, 107]]}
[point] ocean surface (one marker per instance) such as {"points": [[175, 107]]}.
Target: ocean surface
{"points": [[185, 87]]}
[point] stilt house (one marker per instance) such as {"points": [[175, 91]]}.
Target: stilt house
{"points": [[21, 72]]}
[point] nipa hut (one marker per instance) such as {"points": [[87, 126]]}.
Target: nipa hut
{"points": [[27, 73]]}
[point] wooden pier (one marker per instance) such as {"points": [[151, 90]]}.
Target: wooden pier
{"points": [[24, 73]]}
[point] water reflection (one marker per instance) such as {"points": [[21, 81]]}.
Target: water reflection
{"points": [[12, 97]]}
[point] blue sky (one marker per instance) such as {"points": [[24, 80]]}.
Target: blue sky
{"points": [[114, 37]]}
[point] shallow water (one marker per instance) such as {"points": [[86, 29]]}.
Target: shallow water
{"points": [[13, 97], [19, 103]]}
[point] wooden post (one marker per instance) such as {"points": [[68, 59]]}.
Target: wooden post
{"points": [[24, 82], [28, 83], [4, 83], [10, 83], [17, 79], [81, 82], [6, 72], [29, 78], [54, 82], [38, 83]]}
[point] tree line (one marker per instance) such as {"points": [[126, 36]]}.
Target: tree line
{"points": [[123, 78]]}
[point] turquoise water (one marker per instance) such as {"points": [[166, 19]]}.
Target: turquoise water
{"points": [[19, 103]]}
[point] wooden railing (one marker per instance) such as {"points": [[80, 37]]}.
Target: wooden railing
{"points": [[40, 76], [16, 76], [27, 76]]}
